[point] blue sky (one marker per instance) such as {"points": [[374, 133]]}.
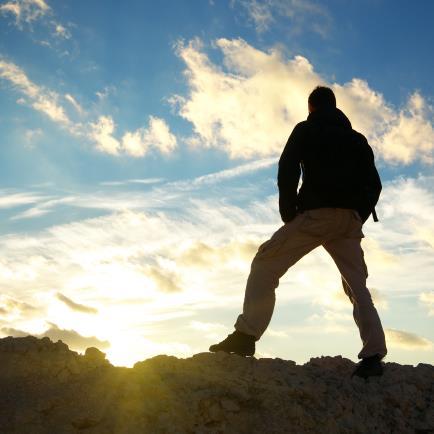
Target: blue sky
{"points": [[138, 162]]}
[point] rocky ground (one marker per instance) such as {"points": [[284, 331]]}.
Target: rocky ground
{"points": [[46, 388]]}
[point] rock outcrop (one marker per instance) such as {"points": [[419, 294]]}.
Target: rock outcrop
{"points": [[46, 388]]}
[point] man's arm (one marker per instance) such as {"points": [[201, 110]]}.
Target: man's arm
{"points": [[373, 185], [289, 174]]}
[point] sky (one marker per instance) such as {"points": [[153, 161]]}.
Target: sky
{"points": [[138, 160]]}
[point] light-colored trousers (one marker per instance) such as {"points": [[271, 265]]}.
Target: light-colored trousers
{"points": [[339, 231]]}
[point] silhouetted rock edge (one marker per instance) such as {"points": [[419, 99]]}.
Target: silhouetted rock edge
{"points": [[46, 388]]}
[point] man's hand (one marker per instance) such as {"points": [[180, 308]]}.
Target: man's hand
{"points": [[288, 215]]}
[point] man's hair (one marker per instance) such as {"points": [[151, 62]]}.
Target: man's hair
{"points": [[322, 97]]}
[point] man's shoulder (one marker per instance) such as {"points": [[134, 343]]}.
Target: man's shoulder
{"points": [[361, 140], [358, 135], [302, 125], [301, 128]]}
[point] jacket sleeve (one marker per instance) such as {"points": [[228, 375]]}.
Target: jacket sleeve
{"points": [[289, 174]]}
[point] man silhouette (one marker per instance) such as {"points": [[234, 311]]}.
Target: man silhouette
{"points": [[339, 191]]}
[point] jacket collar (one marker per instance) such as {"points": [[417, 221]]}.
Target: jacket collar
{"points": [[328, 116]]}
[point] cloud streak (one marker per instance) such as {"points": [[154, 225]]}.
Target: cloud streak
{"points": [[76, 306]]}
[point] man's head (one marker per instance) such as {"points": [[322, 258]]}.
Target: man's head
{"points": [[321, 98]]}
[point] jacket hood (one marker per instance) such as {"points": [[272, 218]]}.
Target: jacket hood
{"points": [[332, 116]]}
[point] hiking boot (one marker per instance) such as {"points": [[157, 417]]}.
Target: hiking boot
{"points": [[369, 367], [237, 343]]}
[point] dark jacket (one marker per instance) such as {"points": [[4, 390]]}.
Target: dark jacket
{"points": [[329, 153]]}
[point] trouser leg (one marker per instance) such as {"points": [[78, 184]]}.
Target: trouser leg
{"points": [[348, 256], [347, 291], [271, 262]]}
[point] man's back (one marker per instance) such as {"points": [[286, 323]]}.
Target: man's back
{"points": [[337, 163]]}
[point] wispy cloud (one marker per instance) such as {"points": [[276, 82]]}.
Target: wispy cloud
{"points": [[144, 181], [105, 92], [38, 97], [11, 199], [31, 136], [164, 280], [298, 15], [200, 254], [12, 306], [25, 11], [186, 260], [42, 207]]}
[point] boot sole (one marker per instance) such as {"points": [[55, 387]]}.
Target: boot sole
{"points": [[234, 352]]}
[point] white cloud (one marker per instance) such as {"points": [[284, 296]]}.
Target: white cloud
{"points": [[247, 110], [406, 341], [157, 135], [25, 10], [137, 143], [31, 11], [101, 133], [411, 134], [39, 98], [249, 107], [11, 199], [399, 136]]}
